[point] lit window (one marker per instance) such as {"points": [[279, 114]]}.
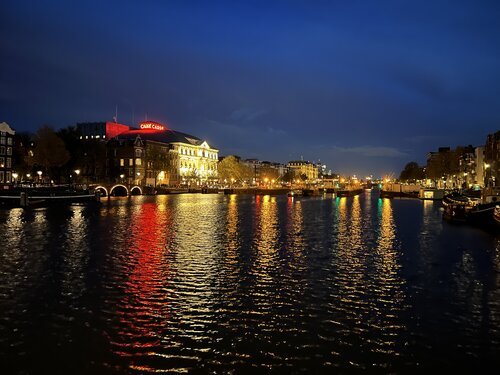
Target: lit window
{"points": [[138, 161], [130, 162], [122, 162]]}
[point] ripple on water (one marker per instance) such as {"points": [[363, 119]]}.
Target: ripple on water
{"points": [[237, 284]]}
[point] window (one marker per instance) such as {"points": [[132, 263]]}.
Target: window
{"points": [[9, 163], [1, 176], [2, 140], [2, 162], [130, 162], [122, 162], [138, 161], [8, 177], [138, 153], [2, 150], [9, 150]]}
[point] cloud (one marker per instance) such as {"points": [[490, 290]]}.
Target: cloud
{"points": [[246, 114], [424, 138], [276, 131], [371, 151]]}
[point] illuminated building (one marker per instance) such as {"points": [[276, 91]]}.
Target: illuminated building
{"points": [[492, 160], [6, 146], [153, 154], [301, 167]]}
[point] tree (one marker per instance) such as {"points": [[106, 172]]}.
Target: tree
{"points": [[230, 168], [289, 176], [412, 171], [49, 151], [22, 153], [157, 160], [268, 172]]}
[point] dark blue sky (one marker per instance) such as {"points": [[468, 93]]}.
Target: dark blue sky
{"points": [[365, 86]]}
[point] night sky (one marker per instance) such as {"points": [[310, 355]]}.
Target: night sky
{"points": [[365, 86]]}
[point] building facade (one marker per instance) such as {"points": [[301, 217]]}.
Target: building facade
{"points": [[152, 154], [492, 160], [304, 168], [479, 157], [6, 153]]}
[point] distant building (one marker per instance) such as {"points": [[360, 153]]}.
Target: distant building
{"points": [[492, 160], [479, 157], [301, 167], [466, 176], [6, 153]]}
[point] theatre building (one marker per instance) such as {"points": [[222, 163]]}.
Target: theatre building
{"points": [[153, 154]]}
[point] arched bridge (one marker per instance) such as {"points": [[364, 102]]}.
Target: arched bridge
{"points": [[118, 189]]}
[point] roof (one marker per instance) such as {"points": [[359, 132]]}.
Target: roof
{"points": [[167, 136]]}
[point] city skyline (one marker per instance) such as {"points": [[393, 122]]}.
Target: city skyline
{"points": [[364, 88]]}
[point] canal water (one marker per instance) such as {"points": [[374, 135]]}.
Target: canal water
{"points": [[244, 284]]}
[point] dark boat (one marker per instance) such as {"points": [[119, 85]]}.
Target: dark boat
{"points": [[455, 206], [496, 217], [463, 209], [46, 196], [349, 192]]}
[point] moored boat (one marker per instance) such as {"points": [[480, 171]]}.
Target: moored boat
{"points": [[463, 209], [349, 191], [496, 217]]}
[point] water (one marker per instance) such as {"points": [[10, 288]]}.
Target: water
{"points": [[222, 284]]}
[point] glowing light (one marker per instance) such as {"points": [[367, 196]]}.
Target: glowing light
{"points": [[151, 125], [77, 171]]}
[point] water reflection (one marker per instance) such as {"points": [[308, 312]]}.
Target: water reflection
{"points": [[266, 239], [224, 284], [388, 284]]}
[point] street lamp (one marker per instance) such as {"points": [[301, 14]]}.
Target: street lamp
{"points": [[14, 176], [39, 173]]}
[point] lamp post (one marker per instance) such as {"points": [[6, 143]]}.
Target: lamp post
{"points": [[77, 172], [39, 173], [14, 176], [138, 177]]}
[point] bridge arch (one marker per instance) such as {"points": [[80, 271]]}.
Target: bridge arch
{"points": [[102, 190], [119, 190], [136, 190]]}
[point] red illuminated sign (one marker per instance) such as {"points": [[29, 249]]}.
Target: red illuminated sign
{"points": [[151, 125]]}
